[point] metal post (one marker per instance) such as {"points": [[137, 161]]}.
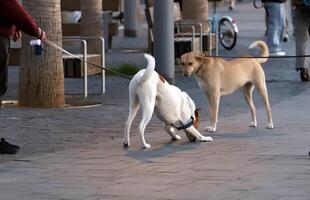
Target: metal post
{"points": [[102, 65], [217, 39], [210, 38], [130, 18], [85, 67], [107, 18], [164, 38]]}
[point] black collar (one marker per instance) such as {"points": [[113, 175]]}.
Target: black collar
{"points": [[189, 124]]}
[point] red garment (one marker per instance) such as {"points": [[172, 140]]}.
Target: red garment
{"points": [[13, 16]]}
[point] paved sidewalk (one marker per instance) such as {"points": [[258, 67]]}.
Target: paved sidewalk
{"points": [[76, 154], [242, 163]]}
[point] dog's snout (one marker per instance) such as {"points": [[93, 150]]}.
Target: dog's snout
{"points": [[186, 74]]}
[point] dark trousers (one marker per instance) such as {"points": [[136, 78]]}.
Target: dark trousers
{"points": [[4, 58], [301, 21]]}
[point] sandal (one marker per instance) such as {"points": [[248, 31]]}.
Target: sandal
{"points": [[304, 74]]}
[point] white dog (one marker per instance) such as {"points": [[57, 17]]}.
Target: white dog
{"points": [[173, 107]]}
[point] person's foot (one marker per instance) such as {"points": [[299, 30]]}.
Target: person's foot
{"points": [[231, 8], [304, 74], [277, 53], [14, 146], [7, 148], [266, 33], [285, 38]]}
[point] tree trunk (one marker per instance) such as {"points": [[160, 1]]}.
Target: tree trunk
{"points": [[41, 77], [197, 10], [91, 23]]}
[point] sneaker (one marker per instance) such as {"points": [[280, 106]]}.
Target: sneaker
{"points": [[3, 140], [7, 148], [278, 53]]}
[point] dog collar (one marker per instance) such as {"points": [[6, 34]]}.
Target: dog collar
{"points": [[189, 124]]}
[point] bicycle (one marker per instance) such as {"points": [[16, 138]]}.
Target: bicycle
{"points": [[226, 27]]}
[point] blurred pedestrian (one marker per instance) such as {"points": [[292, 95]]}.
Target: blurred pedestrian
{"points": [[288, 17], [275, 20], [301, 21], [232, 5], [180, 2], [13, 19], [287, 6]]}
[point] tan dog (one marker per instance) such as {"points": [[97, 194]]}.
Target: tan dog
{"points": [[217, 77]]}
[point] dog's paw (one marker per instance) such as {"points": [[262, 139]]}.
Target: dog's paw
{"points": [[253, 124], [146, 146], [190, 136], [270, 126], [210, 129], [206, 139], [176, 137]]}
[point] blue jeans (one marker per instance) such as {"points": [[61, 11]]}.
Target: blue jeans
{"points": [[275, 24]]}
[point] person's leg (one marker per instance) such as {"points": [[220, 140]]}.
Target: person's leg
{"points": [[288, 17], [301, 24], [301, 21], [266, 20], [232, 5], [5, 147], [4, 57], [275, 26]]}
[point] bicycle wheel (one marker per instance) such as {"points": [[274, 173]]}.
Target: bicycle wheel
{"points": [[227, 34]]}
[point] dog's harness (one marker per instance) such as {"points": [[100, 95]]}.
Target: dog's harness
{"points": [[189, 124]]}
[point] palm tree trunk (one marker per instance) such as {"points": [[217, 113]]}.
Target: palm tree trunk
{"points": [[91, 23], [41, 77], [197, 10]]}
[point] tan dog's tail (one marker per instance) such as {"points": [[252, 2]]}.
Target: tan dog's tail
{"points": [[265, 52]]}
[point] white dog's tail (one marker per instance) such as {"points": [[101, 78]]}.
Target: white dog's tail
{"points": [[150, 68], [265, 52]]}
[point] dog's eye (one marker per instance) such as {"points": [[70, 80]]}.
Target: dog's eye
{"points": [[182, 63], [190, 63]]}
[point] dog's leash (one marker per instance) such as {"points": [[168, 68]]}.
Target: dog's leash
{"points": [[74, 56], [296, 56]]}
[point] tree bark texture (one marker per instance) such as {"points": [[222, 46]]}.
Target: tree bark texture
{"points": [[41, 79], [91, 23], [196, 10]]}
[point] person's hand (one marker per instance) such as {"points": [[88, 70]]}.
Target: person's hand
{"points": [[17, 35], [41, 35]]}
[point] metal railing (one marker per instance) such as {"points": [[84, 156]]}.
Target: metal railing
{"points": [[83, 40]]}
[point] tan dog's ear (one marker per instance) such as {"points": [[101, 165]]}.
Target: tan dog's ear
{"points": [[199, 55]]}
